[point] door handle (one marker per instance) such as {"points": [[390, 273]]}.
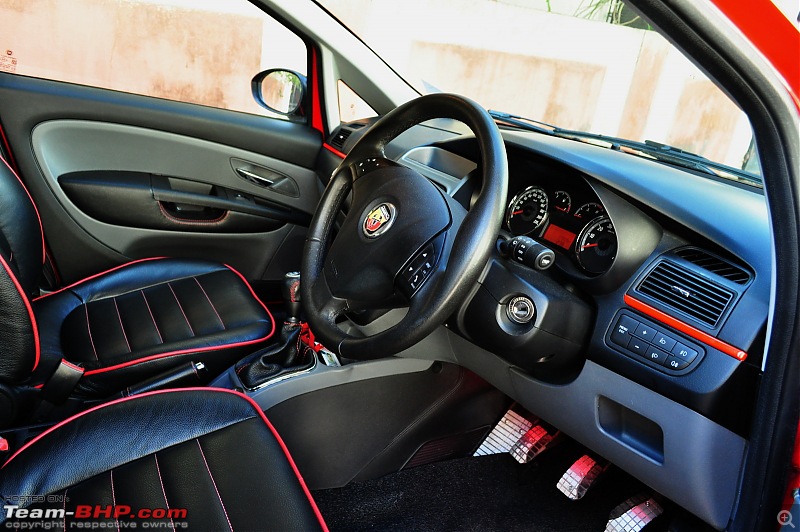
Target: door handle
{"points": [[254, 178]]}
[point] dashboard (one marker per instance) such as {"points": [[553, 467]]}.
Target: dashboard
{"points": [[645, 338]]}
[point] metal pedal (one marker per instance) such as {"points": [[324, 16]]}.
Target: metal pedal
{"points": [[532, 444], [581, 476], [505, 434], [634, 514]]}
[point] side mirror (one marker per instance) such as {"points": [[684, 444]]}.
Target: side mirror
{"points": [[281, 91]]}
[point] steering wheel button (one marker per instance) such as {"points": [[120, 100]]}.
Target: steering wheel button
{"points": [[645, 332]]}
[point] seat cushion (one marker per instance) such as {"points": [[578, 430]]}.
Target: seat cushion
{"points": [[143, 318], [208, 458]]}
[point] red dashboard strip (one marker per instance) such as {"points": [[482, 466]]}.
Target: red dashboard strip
{"points": [[688, 330], [334, 150]]}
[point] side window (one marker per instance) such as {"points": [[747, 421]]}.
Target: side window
{"points": [[351, 105], [197, 52]]}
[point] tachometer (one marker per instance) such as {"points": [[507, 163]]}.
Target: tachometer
{"points": [[589, 211], [527, 211], [596, 247]]}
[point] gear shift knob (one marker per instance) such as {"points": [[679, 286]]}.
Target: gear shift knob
{"points": [[291, 296]]}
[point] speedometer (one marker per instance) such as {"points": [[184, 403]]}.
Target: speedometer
{"points": [[596, 247], [527, 211]]}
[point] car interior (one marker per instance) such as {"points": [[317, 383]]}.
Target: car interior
{"points": [[436, 318]]}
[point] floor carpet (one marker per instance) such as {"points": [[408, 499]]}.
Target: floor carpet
{"points": [[477, 494]]}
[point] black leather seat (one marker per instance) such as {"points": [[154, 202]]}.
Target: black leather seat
{"points": [[209, 452], [122, 326]]}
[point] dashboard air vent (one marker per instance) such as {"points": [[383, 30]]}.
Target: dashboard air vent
{"points": [[715, 265], [686, 292], [340, 138]]}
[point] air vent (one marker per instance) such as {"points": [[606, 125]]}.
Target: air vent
{"points": [[690, 294], [715, 265], [340, 138]]}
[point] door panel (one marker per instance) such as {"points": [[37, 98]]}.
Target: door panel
{"points": [[119, 176]]}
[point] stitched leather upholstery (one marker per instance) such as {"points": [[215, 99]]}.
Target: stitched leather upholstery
{"points": [[123, 326], [19, 354], [21, 243], [211, 452], [148, 316], [21, 257]]}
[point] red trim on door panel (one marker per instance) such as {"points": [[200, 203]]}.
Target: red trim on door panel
{"points": [[36, 209], [772, 33], [28, 306], [115, 268], [182, 390], [316, 101], [686, 329], [334, 150]]}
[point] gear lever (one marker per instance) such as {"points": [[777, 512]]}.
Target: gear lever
{"points": [[291, 301], [287, 354], [291, 296]]}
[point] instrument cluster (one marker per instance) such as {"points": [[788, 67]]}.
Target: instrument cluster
{"points": [[569, 218]]}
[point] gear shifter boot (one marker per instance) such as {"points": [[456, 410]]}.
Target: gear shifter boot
{"points": [[263, 365]]}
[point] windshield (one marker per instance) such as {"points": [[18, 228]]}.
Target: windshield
{"points": [[588, 65]]}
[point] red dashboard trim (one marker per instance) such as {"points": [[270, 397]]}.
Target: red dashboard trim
{"points": [[334, 150], [686, 329]]}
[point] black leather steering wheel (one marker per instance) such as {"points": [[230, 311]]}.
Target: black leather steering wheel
{"points": [[404, 242]]}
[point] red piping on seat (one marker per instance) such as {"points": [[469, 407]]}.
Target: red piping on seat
{"points": [[197, 349], [291, 462], [157, 392], [7, 146], [27, 303], [36, 209], [252, 292], [115, 268], [181, 352]]}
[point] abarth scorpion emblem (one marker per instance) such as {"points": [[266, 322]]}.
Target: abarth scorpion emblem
{"points": [[379, 220]]}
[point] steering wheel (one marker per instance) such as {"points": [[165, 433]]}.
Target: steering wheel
{"points": [[403, 242]]}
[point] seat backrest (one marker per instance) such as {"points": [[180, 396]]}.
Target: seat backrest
{"points": [[21, 259]]}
